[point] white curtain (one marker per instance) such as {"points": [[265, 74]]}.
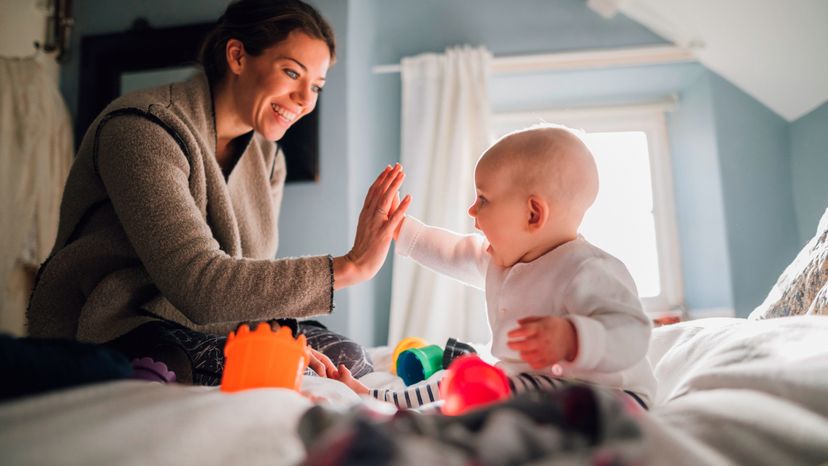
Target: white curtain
{"points": [[445, 129], [35, 157]]}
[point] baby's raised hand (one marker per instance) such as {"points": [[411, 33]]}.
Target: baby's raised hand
{"points": [[543, 341], [395, 204]]}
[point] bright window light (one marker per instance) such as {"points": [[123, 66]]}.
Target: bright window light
{"points": [[621, 221]]}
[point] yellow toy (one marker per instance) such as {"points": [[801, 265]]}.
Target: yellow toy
{"points": [[405, 344]]}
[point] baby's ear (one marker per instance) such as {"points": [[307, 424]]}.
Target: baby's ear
{"points": [[538, 212]]}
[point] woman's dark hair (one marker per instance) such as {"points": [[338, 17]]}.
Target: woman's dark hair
{"points": [[260, 24]]}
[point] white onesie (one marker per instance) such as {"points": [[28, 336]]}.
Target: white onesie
{"points": [[576, 280]]}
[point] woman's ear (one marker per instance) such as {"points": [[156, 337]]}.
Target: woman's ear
{"points": [[235, 54], [538, 212]]}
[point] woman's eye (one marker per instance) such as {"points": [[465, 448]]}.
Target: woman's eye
{"points": [[317, 89], [292, 74]]}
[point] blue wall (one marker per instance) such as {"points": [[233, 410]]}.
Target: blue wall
{"points": [[733, 190], [697, 181], [809, 166], [758, 198]]}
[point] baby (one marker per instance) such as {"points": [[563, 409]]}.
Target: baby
{"points": [[558, 306]]}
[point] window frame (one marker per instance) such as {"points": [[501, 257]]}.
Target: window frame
{"points": [[650, 119]]}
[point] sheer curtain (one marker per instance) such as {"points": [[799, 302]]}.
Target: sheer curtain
{"points": [[445, 129], [35, 157]]}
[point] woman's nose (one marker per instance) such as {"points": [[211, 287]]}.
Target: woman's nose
{"points": [[303, 97]]}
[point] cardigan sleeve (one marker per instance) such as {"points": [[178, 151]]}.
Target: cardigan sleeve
{"points": [[462, 257], [146, 175]]}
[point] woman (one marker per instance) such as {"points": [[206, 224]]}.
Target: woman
{"points": [[168, 223]]}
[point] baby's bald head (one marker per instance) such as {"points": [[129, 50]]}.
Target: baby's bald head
{"points": [[547, 160]]}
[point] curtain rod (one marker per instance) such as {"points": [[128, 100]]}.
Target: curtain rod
{"points": [[658, 54], [621, 109]]}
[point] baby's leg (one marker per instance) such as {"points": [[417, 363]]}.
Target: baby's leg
{"points": [[530, 381], [411, 397]]}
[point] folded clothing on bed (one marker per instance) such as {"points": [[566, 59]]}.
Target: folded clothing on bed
{"points": [[34, 365]]}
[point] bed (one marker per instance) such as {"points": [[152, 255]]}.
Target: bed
{"points": [[732, 391]]}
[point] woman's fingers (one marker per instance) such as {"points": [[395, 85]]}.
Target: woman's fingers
{"points": [[379, 197], [382, 184], [317, 366], [374, 188], [381, 201], [391, 192], [327, 365]]}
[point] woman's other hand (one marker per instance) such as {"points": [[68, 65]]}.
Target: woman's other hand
{"points": [[377, 225], [321, 364]]}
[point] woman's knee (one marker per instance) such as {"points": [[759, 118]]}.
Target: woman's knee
{"points": [[340, 349]]}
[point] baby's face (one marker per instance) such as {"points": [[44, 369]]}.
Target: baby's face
{"points": [[506, 208], [500, 212]]}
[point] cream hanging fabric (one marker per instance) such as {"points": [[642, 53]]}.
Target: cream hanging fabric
{"points": [[445, 128], [35, 157]]}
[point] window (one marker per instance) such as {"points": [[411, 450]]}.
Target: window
{"points": [[634, 215]]}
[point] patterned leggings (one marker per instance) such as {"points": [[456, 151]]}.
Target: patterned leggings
{"points": [[198, 358]]}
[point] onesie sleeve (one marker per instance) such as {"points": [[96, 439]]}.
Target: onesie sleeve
{"points": [[602, 303], [462, 257]]}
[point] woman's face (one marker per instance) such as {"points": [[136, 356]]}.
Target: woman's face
{"points": [[281, 85]]}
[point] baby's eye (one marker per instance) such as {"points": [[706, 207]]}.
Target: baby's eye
{"points": [[481, 200], [291, 74]]}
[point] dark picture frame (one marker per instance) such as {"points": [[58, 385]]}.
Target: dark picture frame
{"points": [[105, 58]]}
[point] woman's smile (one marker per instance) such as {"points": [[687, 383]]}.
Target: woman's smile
{"points": [[283, 115]]}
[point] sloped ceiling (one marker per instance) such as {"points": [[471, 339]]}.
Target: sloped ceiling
{"points": [[774, 50]]}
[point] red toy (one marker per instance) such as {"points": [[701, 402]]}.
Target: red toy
{"points": [[470, 383]]}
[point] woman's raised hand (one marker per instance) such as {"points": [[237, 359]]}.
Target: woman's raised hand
{"points": [[376, 227]]}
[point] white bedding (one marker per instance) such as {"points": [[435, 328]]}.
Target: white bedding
{"points": [[731, 391]]}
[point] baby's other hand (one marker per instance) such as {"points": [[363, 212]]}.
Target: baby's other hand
{"points": [[395, 203], [543, 341]]}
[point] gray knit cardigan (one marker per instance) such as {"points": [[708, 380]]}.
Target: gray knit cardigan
{"points": [[150, 229]]}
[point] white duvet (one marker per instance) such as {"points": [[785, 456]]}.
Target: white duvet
{"points": [[731, 392]]}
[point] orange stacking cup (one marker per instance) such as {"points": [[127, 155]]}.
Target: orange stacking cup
{"points": [[263, 358]]}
